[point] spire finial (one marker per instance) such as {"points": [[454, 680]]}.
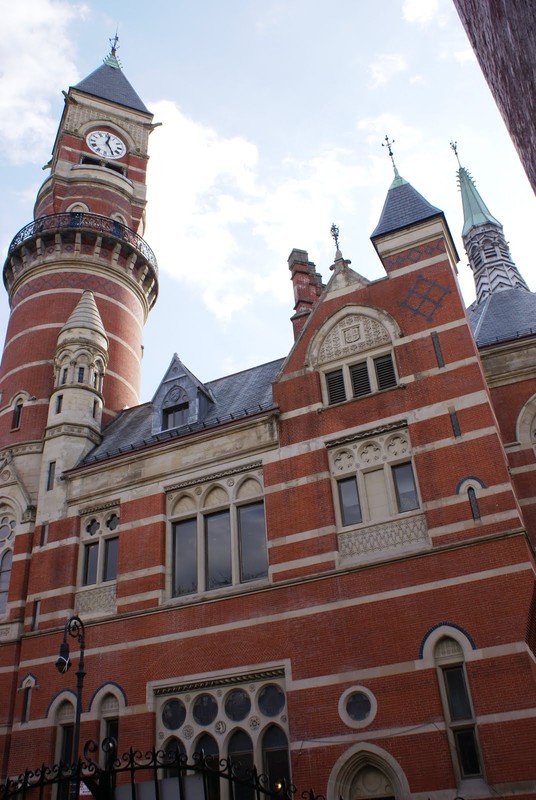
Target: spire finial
{"points": [[335, 235], [390, 151], [114, 43], [454, 148]]}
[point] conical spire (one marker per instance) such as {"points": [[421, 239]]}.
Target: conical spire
{"points": [[485, 244], [109, 83], [85, 315]]}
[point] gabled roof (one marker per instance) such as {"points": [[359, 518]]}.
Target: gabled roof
{"points": [[235, 397], [109, 83], [403, 206]]}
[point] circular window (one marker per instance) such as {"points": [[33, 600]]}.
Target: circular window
{"points": [[205, 709], [271, 700], [173, 714], [237, 705], [357, 707]]}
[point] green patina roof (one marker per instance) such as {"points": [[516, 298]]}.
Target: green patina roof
{"points": [[475, 211]]}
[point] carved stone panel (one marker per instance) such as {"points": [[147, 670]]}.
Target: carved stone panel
{"points": [[384, 539], [101, 600]]}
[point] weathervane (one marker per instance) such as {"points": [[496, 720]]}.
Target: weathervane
{"points": [[113, 43], [454, 147], [335, 235], [390, 151]]}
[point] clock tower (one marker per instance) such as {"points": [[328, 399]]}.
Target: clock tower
{"points": [[86, 237]]}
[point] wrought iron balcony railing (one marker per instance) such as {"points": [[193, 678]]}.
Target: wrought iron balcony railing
{"points": [[82, 220]]}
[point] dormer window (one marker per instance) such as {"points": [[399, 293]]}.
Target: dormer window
{"points": [[175, 416]]}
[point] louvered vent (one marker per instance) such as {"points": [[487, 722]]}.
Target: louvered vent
{"points": [[385, 371], [360, 379], [335, 384]]}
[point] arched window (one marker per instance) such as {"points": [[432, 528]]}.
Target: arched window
{"points": [[458, 708], [6, 561], [208, 746], [473, 502], [17, 414], [64, 743], [109, 714], [240, 750], [275, 757], [174, 751]]}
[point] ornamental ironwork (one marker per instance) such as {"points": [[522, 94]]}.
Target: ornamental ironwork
{"points": [[82, 220], [153, 774]]}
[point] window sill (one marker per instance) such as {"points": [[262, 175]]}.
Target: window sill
{"points": [[216, 594], [405, 533]]}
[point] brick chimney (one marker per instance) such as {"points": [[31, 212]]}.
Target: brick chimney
{"points": [[307, 284]]}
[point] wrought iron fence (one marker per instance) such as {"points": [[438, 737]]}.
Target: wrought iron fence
{"points": [[80, 220], [151, 775]]}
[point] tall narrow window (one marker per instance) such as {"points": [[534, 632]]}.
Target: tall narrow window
{"points": [[406, 491], [252, 541], [275, 758], [17, 414], [36, 614], [458, 707], [184, 557], [26, 701], [80, 377], [240, 752], [64, 374], [218, 550], [385, 371], [349, 501], [208, 746], [109, 572], [59, 403], [91, 555], [473, 502], [5, 577], [50, 475]]}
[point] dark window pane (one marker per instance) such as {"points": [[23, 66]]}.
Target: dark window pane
{"points": [[457, 695], [406, 491], [205, 709], [358, 706], [66, 746], [173, 750], [51, 475], [184, 557], [473, 502], [208, 746], [173, 714], [175, 416], [110, 559], [360, 379], [335, 384], [17, 413], [252, 539], [275, 757], [271, 700], [467, 752], [218, 550], [349, 501], [111, 731], [91, 552], [237, 705], [64, 375], [5, 577], [385, 371], [241, 755], [80, 374]]}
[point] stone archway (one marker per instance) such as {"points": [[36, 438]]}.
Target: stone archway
{"points": [[366, 772]]}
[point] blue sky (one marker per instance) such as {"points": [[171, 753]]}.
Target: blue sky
{"points": [[273, 114]]}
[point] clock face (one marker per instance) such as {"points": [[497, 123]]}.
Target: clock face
{"points": [[106, 144]]}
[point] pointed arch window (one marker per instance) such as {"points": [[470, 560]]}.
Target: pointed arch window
{"points": [[7, 535], [275, 757], [17, 415]]}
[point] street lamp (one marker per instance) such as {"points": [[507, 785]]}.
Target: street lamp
{"points": [[74, 627]]}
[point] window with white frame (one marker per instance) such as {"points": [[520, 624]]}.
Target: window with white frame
{"points": [[458, 708], [100, 548], [354, 354], [218, 537], [374, 478], [243, 718]]}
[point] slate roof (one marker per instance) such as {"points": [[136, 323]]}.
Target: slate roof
{"points": [[109, 83], [503, 316], [235, 397], [403, 206]]}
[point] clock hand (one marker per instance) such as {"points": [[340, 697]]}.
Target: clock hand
{"points": [[108, 137]]}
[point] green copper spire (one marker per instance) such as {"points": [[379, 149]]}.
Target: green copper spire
{"points": [[475, 211]]}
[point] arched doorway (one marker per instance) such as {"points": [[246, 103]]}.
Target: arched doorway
{"points": [[366, 772]]}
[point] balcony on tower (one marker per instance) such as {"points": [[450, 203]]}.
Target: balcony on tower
{"points": [[82, 241]]}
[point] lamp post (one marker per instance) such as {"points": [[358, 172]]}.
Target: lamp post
{"points": [[74, 627]]}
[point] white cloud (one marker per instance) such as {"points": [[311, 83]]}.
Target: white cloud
{"points": [[420, 11], [385, 67], [210, 202], [35, 56]]}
